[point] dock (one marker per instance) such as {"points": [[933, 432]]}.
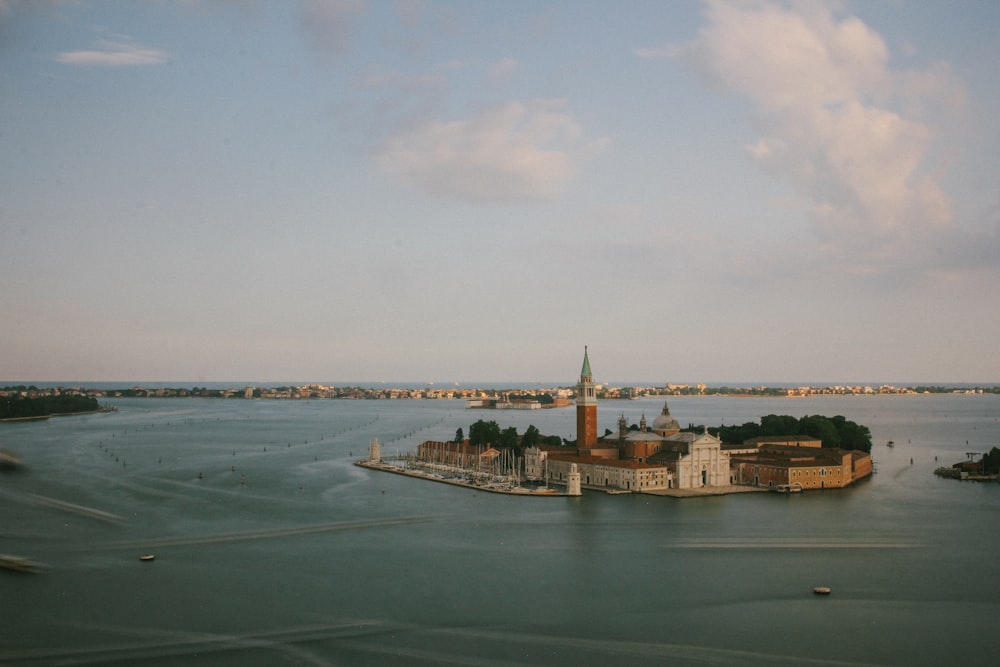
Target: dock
{"points": [[489, 487]]}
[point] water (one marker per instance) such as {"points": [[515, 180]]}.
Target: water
{"points": [[272, 548]]}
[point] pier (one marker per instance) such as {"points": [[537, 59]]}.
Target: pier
{"points": [[487, 484]]}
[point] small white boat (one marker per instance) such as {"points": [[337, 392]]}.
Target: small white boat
{"points": [[795, 487], [821, 590], [147, 557]]}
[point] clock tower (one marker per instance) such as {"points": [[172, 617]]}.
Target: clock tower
{"points": [[586, 408]]}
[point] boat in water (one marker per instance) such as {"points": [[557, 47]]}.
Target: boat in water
{"points": [[9, 460], [17, 564], [147, 557], [794, 487], [821, 590]]}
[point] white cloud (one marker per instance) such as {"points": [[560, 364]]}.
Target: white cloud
{"points": [[115, 53], [829, 110], [516, 151]]}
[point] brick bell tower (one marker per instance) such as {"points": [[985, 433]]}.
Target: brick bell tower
{"points": [[586, 408]]}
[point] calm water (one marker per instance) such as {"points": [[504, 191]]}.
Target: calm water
{"points": [[282, 552]]}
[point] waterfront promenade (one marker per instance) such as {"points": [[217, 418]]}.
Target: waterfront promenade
{"points": [[706, 491], [513, 490]]}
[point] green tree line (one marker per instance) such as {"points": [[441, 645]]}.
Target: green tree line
{"points": [[489, 434], [42, 406], [833, 431], [991, 462]]}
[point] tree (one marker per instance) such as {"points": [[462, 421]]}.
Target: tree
{"points": [[459, 436], [508, 438], [17, 407], [779, 425], [852, 435], [833, 431], [991, 462], [484, 433], [531, 437], [820, 427]]}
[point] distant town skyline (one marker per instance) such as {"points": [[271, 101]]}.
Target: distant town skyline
{"points": [[776, 192]]}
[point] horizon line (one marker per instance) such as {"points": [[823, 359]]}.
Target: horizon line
{"points": [[493, 384]]}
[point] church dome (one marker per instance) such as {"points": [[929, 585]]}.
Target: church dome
{"points": [[664, 422]]}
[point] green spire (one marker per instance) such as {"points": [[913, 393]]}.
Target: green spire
{"points": [[585, 372]]}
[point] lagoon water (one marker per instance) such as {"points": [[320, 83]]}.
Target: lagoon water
{"points": [[272, 548]]}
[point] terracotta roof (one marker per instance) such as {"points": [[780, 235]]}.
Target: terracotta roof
{"points": [[573, 458], [597, 460]]}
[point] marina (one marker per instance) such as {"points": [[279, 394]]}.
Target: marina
{"points": [[460, 478]]}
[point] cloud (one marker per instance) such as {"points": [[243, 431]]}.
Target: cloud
{"points": [[330, 23], [503, 69], [516, 151], [115, 53], [830, 113]]}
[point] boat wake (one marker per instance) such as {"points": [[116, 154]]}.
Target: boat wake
{"points": [[73, 508], [292, 531], [789, 544], [334, 642]]}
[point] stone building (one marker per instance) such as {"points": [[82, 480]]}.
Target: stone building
{"points": [[803, 467], [695, 460]]}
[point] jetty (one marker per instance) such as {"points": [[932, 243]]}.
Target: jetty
{"points": [[476, 483]]}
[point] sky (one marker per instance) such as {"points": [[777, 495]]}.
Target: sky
{"points": [[429, 191]]}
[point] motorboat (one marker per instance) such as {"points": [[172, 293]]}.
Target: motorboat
{"points": [[17, 563]]}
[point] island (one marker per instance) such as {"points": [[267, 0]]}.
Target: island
{"points": [[18, 408], [986, 469], [782, 453], [640, 458]]}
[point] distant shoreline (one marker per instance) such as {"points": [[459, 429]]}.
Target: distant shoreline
{"points": [[58, 414], [554, 396]]}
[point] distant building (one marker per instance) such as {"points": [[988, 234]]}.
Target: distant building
{"points": [[502, 403], [803, 466], [784, 441], [597, 472]]}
